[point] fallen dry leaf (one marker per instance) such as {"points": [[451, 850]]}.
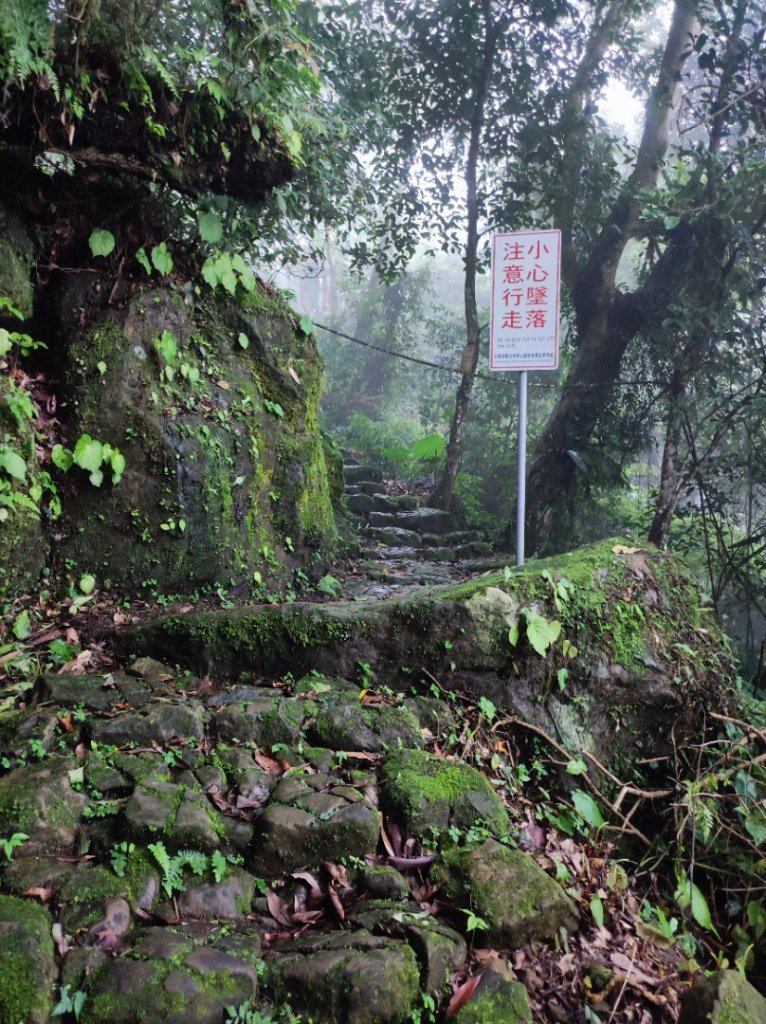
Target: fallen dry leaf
{"points": [[278, 910], [461, 995], [39, 891]]}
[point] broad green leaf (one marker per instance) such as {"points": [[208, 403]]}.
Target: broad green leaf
{"points": [[689, 895], [229, 281], [306, 324], [21, 627], [162, 261], [577, 766], [87, 583], [210, 227], [12, 463], [88, 454], [117, 463], [210, 273], [540, 632], [5, 342], [243, 340], [587, 808], [167, 346], [247, 279], [597, 909], [101, 242], [430, 447], [513, 634], [61, 457]]}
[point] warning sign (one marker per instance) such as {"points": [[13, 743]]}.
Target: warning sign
{"points": [[524, 325]]}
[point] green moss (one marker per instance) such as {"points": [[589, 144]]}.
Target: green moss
{"points": [[16, 261], [27, 968], [507, 1006], [429, 792]]}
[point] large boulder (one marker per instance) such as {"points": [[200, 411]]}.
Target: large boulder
{"points": [[213, 404]]}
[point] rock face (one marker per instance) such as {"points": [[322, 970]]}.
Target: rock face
{"points": [[210, 398], [213, 405], [607, 649]]}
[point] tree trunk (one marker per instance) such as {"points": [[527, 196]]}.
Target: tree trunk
{"points": [[606, 320], [442, 495], [670, 473]]}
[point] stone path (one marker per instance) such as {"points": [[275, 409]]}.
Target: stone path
{"points": [[403, 543], [187, 849]]}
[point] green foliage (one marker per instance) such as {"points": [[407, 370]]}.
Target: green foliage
{"points": [[12, 843], [540, 632], [173, 867], [329, 585], [70, 1002], [101, 242], [588, 809], [25, 42], [119, 856], [92, 456]]}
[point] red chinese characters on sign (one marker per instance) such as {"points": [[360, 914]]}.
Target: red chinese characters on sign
{"points": [[525, 300]]}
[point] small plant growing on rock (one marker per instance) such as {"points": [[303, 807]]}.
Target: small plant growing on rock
{"points": [[11, 844]]}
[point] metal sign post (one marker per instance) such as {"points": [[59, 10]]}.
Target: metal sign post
{"points": [[521, 488], [524, 325]]}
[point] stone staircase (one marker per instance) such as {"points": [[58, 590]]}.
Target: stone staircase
{"points": [[404, 543]]}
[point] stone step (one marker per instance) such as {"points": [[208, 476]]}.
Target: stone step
{"points": [[371, 487], [355, 474], [360, 504], [392, 535]]}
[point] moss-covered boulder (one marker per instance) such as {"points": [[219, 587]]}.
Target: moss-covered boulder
{"points": [[507, 889], [724, 997], [213, 404], [27, 964], [607, 649], [429, 794], [497, 1000], [347, 978], [39, 801]]}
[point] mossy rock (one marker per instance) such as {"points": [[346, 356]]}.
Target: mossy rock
{"points": [[188, 989], [636, 660], [225, 467], [497, 1000], [424, 792], [16, 263], [27, 964], [346, 724], [347, 978], [724, 997], [39, 801], [512, 894]]}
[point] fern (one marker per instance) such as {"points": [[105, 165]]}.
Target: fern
{"points": [[26, 43], [173, 867]]}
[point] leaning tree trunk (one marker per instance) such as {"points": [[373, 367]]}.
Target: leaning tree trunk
{"points": [[606, 320]]}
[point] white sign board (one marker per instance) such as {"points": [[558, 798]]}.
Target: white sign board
{"points": [[524, 325]]}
